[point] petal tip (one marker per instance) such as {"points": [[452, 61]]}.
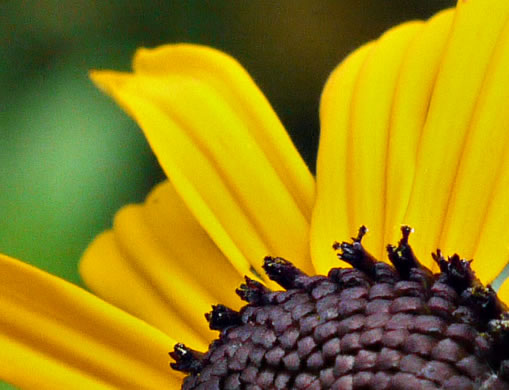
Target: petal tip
{"points": [[107, 80]]}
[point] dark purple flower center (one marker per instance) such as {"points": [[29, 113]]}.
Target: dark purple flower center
{"points": [[373, 326]]}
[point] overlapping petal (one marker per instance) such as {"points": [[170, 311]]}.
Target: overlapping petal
{"points": [[413, 90], [330, 216], [233, 164], [463, 71], [425, 141], [174, 270], [483, 175], [368, 125], [55, 335], [369, 131]]}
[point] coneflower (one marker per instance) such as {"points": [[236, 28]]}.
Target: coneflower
{"points": [[414, 132]]}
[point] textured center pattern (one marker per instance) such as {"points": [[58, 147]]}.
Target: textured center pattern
{"points": [[370, 327]]}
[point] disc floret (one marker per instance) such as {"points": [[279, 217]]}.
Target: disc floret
{"points": [[373, 326]]}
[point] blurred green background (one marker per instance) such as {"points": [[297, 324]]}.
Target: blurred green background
{"points": [[70, 158]]}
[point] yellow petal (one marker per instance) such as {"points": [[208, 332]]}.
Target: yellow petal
{"points": [[353, 143], [243, 246], [161, 251], [190, 249], [475, 32], [224, 162], [410, 106], [368, 133], [149, 259], [54, 335], [234, 84], [492, 252], [330, 215], [107, 272], [478, 196]]}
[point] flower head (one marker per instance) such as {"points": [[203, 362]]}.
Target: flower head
{"points": [[414, 132]]}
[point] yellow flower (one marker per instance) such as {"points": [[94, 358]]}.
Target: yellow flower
{"points": [[414, 131]]}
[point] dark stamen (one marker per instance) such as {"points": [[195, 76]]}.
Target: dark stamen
{"points": [[405, 262], [222, 317], [402, 256], [355, 254], [284, 273], [457, 272], [485, 303], [186, 359], [253, 292]]}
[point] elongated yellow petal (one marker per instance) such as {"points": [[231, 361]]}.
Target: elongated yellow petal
{"points": [[476, 191], [368, 133], [149, 259], [221, 161], [107, 272], [169, 260], [235, 85], [330, 215], [243, 246], [474, 35], [492, 252], [54, 335], [190, 249], [396, 124], [413, 89]]}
